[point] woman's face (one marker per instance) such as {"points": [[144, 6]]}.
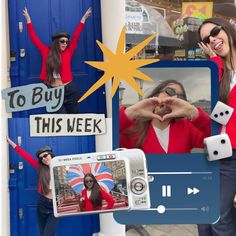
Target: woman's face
{"points": [[89, 182], [162, 109], [219, 43], [63, 42], [45, 158]]}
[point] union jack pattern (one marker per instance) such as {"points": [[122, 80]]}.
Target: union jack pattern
{"points": [[102, 173]]}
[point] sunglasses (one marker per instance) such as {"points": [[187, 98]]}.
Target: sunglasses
{"points": [[88, 181], [63, 41], [171, 92], [44, 156], [214, 32]]}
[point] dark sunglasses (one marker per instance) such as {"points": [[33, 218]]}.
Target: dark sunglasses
{"points": [[214, 32], [171, 92], [88, 181], [44, 156], [63, 41]]}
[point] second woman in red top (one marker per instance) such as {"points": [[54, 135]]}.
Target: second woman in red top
{"points": [[93, 194]]}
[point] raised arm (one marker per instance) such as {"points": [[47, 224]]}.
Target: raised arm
{"points": [[213, 57], [11, 143], [33, 36], [26, 156], [75, 37], [86, 15], [26, 15]]}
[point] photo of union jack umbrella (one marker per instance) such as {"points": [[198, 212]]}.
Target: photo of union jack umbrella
{"points": [[102, 173]]}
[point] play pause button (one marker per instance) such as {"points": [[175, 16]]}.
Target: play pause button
{"points": [[166, 191]]}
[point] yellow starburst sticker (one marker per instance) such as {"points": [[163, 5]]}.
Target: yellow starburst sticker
{"points": [[120, 66]]}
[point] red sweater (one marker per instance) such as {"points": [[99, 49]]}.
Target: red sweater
{"points": [[87, 205], [27, 157], [184, 134], [231, 125], [66, 55]]}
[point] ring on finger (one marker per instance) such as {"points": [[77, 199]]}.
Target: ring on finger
{"points": [[208, 51]]}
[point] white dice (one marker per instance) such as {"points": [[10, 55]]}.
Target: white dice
{"points": [[218, 147], [221, 113]]}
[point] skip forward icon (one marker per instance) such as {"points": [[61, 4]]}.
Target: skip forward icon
{"points": [[192, 190]]}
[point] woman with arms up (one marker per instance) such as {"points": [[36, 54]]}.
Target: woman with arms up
{"points": [[164, 122], [46, 220], [93, 194], [56, 61], [218, 41]]}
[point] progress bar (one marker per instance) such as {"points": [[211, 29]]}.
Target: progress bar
{"points": [[180, 173], [174, 209], [162, 209]]}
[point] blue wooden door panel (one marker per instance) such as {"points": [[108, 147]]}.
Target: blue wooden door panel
{"points": [[14, 41], [23, 182], [32, 61], [13, 207], [49, 17]]}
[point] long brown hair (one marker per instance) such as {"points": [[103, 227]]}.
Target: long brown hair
{"points": [[44, 178], [53, 63], [227, 75], [95, 196], [43, 170], [141, 125]]}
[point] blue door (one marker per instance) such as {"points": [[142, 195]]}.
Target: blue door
{"points": [[23, 182], [49, 17]]}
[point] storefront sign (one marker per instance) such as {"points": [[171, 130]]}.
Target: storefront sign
{"points": [[134, 21], [201, 10], [136, 17]]}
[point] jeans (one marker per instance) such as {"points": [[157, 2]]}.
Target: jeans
{"points": [[46, 220], [71, 97], [226, 226], [70, 103]]}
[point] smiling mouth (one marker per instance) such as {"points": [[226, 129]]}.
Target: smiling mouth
{"points": [[219, 45]]}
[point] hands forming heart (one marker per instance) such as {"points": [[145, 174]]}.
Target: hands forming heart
{"points": [[179, 109], [144, 109], [161, 109]]}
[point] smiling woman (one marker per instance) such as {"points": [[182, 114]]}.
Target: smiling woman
{"points": [[46, 220], [218, 41], [164, 122], [93, 194], [56, 61]]}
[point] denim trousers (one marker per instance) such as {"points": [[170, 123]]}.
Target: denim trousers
{"points": [[46, 220], [71, 97]]}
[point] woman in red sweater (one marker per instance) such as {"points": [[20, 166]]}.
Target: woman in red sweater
{"points": [[46, 220], [56, 61], [219, 43], [164, 122], [93, 194]]}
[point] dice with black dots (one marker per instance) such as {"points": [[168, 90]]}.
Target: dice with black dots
{"points": [[221, 113], [218, 147]]}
